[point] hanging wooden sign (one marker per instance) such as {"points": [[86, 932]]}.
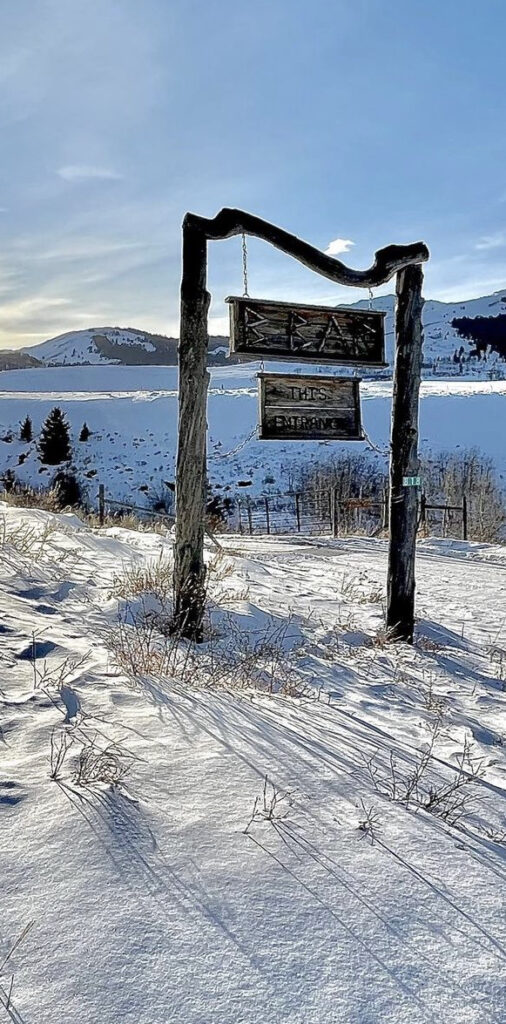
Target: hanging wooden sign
{"points": [[316, 408], [322, 334]]}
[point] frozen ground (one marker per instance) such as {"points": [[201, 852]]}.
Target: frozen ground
{"points": [[149, 902], [132, 412]]}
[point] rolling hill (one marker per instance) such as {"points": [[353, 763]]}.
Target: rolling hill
{"points": [[134, 347]]}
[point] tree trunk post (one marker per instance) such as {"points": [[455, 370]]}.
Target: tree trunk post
{"points": [[297, 511], [191, 484], [404, 454], [464, 517], [101, 504], [334, 509]]}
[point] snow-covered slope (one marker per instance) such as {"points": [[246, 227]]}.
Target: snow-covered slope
{"points": [[440, 338], [117, 345], [255, 865], [132, 413]]}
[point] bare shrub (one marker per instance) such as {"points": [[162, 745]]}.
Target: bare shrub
{"points": [[419, 787], [61, 742], [272, 805], [94, 765], [156, 578], [369, 823], [448, 476]]}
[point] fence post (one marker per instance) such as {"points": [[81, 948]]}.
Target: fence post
{"points": [[239, 515], [101, 504], [334, 511], [250, 521], [267, 519], [297, 510], [464, 517], [384, 510], [423, 511]]}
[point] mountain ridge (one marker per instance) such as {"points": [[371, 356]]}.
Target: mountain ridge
{"points": [[129, 346]]}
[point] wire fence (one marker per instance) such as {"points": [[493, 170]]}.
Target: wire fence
{"points": [[305, 512]]}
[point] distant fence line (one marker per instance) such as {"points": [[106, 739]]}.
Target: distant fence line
{"points": [[305, 512]]}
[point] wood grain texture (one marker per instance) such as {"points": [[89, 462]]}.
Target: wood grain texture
{"points": [[294, 407], [404, 460], [387, 261], [189, 566], [292, 331]]}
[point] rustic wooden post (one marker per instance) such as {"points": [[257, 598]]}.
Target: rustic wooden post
{"points": [[423, 510], [384, 509], [404, 454], [101, 504], [239, 515], [297, 511], [334, 511], [464, 517], [267, 518], [250, 520], [189, 566]]}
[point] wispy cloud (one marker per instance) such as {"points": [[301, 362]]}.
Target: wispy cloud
{"points": [[338, 246], [83, 172], [496, 241]]}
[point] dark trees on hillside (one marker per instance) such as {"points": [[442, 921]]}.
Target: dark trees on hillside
{"points": [[26, 432], [484, 331], [85, 432], [54, 441]]}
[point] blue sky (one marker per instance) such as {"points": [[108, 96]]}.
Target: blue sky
{"points": [[370, 121]]}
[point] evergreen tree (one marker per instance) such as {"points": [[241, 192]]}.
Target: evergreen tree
{"points": [[26, 433], [85, 432], [54, 441]]}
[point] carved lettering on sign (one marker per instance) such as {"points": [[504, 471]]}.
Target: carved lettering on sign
{"points": [[282, 330], [298, 408]]}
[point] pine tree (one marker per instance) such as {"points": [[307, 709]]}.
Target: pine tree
{"points": [[26, 433], [85, 432], [54, 441]]}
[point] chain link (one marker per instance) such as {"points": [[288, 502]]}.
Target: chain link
{"points": [[242, 444], [245, 266]]}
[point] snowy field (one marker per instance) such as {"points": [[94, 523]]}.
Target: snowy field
{"points": [[132, 412], [345, 902]]}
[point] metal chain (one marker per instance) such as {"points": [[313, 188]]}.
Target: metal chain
{"points": [[245, 266], [242, 444], [375, 447]]}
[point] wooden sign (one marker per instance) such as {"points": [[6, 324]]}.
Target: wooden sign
{"points": [[322, 334], [299, 408]]}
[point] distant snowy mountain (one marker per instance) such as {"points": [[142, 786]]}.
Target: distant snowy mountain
{"points": [[133, 347], [126, 346], [441, 339]]}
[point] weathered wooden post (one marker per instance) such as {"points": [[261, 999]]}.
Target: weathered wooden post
{"points": [[297, 511], [101, 504], [404, 454], [267, 516], [189, 565], [464, 517]]}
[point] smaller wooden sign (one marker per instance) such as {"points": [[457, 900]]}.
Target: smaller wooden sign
{"points": [[294, 407], [317, 334]]}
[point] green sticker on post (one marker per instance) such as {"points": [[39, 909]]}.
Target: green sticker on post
{"points": [[411, 481]]}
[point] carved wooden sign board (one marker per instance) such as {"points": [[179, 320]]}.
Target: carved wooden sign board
{"points": [[309, 408], [321, 334]]}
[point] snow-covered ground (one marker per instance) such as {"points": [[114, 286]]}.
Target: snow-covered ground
{"points": [[132, 412], [149, 901]]}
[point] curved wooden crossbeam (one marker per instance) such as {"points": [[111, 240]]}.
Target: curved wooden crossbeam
{"points": [[387, 261]]}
